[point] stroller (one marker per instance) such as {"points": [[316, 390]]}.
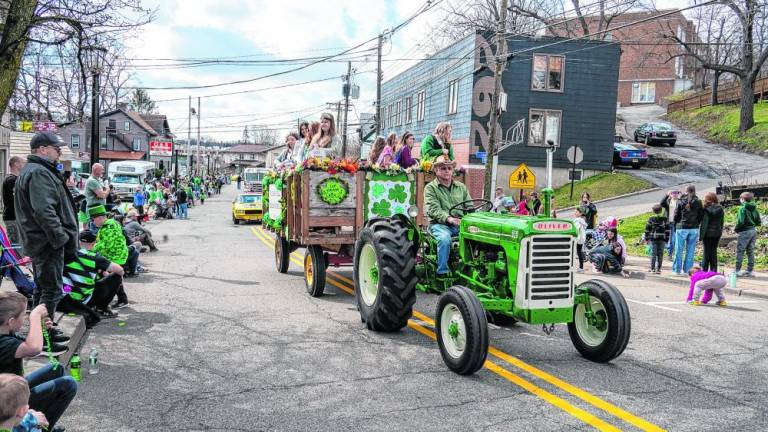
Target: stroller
{"points": [[15, 268]]}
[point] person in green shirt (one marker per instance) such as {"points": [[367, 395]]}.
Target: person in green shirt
{"points": [[747, 221], [440, 195], [110, 241], [438, 144]]}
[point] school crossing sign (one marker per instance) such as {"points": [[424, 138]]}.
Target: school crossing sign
{"points": [[522, 178]]}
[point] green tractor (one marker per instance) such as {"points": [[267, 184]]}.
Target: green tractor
{"points": [[505, 268]]}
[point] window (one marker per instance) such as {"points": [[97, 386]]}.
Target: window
{"points": [[643, 92], [112, 125], [103, 143], [548, 71], [679, 67], [543, 126], [391, 116], [420, 100], [74, 141], [453, 96], [136, 144], [126, 126], [398, 118], [408, 109]]}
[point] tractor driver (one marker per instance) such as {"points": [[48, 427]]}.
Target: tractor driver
{"points": [[440, 195]]}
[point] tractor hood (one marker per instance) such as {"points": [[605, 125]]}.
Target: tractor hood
{"points": [[508, 226]]}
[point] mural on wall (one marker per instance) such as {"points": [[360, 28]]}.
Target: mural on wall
{"points": [[482, 90]]}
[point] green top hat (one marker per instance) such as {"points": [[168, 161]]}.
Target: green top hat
{"points": [[98, 210]]}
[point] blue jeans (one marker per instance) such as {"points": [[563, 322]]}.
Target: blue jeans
{"points": [[51, 392], [685, 239], [182, 210], [443, 233], [671, 242]]}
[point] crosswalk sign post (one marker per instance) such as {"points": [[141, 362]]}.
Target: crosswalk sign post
{"points": [[522, 178]]}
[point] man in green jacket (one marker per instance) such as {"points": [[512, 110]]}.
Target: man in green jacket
{"points": [[746, 230], [110, 241], [440, 195], [438, 144]]}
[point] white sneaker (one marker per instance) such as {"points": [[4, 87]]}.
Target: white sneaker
{"points": [[744, 273]]}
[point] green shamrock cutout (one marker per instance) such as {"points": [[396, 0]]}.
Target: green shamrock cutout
{"points": [[382, 208], [397, 193], [399, 209], [377, 190]]}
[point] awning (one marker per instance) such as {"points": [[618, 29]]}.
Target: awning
{"points": [[121, 155]]}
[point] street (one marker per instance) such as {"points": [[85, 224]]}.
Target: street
{"points": [[216, 339]]}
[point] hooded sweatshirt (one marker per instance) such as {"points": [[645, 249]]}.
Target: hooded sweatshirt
{"points": [[748, 217], [712, 221]]}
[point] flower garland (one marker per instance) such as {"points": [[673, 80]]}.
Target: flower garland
{"points": [[331, 166], [332, 190]]}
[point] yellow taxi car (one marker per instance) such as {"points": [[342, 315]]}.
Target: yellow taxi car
{"points": [[246, 207]]}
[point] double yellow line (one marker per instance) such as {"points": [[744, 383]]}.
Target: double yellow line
{"points": [[347, 285]]}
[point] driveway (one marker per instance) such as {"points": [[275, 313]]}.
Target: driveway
{"points": [[706, 161]]}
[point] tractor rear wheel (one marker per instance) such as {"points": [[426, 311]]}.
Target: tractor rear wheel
{"points": [[385, 275], [462, 330], [314, 270], [282, 254], [606, 339]]}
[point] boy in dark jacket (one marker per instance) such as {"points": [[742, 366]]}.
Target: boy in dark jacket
{"points": [[657, 232], [746, 229]]}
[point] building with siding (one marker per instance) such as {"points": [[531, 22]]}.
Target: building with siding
{"points": [[562, 90]]}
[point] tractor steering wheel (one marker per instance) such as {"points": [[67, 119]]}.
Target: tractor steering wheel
{"points": [[470, 206]]}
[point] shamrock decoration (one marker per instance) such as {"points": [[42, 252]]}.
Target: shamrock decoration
{"points": [[332, 190], [382, 208], [397, 193], [377, 189], [399, 209]]}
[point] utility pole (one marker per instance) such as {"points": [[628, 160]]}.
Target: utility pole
{"points": [[500, 61], [347, 91], [197, 158], [378, 85], [189, 137]]}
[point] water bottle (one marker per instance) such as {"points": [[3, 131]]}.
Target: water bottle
{"points": [[93, 362], [74, 367], [732, 280]]}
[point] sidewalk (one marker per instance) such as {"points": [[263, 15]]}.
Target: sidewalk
{"points": [[756, 286]]}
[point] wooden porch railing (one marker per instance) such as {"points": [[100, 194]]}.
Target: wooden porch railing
{"points": [[727, 93]]}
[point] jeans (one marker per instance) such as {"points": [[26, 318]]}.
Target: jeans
{"points": [[671, 242], [685, 240], [657, 253], [51, 392], [580, 255], [746, 242], [49, 269], [133, 260], [182, 210], [443, 233], [709, 260]]}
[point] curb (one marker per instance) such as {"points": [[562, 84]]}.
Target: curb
{"points": [[74, 327], [684, 282], [614, 198]]}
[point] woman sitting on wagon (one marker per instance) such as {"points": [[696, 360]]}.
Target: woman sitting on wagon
{"points": [[376, 150], [287, 157], [325, 143], [387, 156], [403, 151], [302, 145], [438, 144]]}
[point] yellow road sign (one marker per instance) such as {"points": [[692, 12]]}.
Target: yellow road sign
{"points": [[522, 178]]}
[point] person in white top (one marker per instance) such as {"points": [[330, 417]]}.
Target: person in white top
{"points": [[581, 226]]}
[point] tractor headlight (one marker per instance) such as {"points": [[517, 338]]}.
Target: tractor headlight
{"points": [[413, 211]]}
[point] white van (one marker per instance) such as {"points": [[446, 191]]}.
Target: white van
{"points": [[126, 176]]}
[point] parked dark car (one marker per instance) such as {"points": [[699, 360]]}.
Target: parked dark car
{"points": [[656, 132], [625, 154]]}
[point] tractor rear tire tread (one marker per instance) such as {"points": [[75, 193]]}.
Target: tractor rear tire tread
{"points": [[396, 255]]}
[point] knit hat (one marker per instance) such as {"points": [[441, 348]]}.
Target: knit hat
{"points": [[98, 210]]}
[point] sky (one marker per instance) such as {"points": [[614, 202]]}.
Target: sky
{"points": [[233, 30]]}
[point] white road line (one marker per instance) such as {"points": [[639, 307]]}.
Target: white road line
{"points": [[682, 302], [652, 305]]}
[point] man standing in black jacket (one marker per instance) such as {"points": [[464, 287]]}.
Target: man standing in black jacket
{"points": [[688, 214], [45, 213]]}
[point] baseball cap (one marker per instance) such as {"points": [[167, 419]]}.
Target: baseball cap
{"points": [[42, 139]]}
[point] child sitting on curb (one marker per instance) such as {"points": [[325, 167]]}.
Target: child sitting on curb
{"points": [[708, 281], [15, 414]]}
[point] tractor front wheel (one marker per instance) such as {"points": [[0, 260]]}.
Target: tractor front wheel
{"points": [[314, 270], [605, 336], [462, 330], [385, 275], [282, 254]]}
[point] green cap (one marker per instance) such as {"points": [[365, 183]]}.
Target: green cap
{"points": [[98, 210]]}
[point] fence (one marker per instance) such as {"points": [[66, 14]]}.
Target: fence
{"points": [[730, 92]]}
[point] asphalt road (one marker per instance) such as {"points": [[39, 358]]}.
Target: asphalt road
{"points": [[216, 339]]}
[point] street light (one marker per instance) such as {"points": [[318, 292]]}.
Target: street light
{"points": [[94, 60]]}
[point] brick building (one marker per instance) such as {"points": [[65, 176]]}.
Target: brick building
{"points": [[648, 71]]}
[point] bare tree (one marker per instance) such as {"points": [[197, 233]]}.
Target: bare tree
{"points": [[51, 24], [751, 54]]}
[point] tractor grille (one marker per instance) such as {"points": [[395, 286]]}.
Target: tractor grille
{"points": [[550, 261]]}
